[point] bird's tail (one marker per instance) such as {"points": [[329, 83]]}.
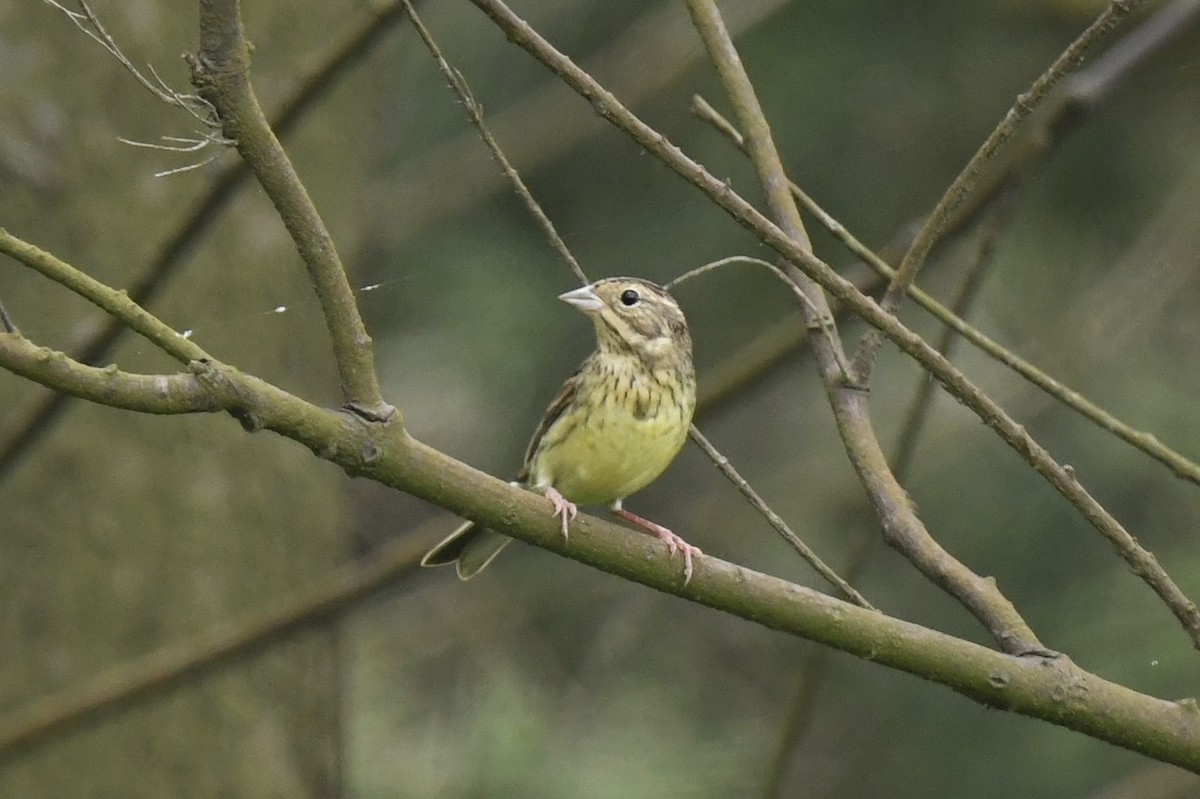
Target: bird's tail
{"points": [[470, 548]]}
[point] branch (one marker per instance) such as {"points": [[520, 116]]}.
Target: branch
{"points": [[968, 290], [902, 527], [116, 303], [475, 113], [220, 72], [122, 686], [938, 221], [776, 521], [158, 394], [935, 225], [1141, 561], [1053, 690]]}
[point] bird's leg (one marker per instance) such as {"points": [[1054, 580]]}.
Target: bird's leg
{"points": [[674, 543], [563, 507]]}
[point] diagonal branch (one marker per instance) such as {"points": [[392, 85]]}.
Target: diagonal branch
{"points": [[221, 74], [902, 527], [939, 219], [1089, 87], [459, 86], [964, 183], [122, 686], [776, 521], [117, 304]]}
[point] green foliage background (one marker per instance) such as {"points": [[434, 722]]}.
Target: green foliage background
{"points": [[543, 678]]}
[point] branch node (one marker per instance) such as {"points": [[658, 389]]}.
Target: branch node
{"points": [[381, 413]]}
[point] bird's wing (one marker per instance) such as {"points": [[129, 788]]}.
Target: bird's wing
{"points": [[562, 400]]}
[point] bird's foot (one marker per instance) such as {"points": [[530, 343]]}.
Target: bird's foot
{"points": [[674, 543], [564, 509]]}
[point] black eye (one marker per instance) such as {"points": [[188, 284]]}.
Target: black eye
{"points": [[630, 297]]}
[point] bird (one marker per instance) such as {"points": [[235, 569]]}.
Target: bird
{"points": [[613, 427]]}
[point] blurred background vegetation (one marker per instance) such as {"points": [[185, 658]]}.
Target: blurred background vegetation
{"points": [[543, 678]]}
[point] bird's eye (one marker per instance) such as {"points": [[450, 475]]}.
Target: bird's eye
{"points": [[630, 297]]}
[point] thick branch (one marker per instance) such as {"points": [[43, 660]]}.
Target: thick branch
{"points": [[221, 73], [159, 394]]}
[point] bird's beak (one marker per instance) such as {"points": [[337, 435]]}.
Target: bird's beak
{"points": [[582, 298]]}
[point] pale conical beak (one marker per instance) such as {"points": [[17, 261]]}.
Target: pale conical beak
{"points": [[582, 298]]}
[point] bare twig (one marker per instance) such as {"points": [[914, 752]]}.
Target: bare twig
{"points": [[458, 85], [402, 205], [221, 74], [195, 106], [935, 226], [115, 303], [1180, 464], [6, 321], [776, 521], [922, 404], [816, 318]]}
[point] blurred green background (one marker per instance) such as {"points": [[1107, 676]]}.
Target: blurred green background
{"points": [[543, 678]]}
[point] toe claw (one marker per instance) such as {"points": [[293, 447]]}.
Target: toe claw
{"points": [[564, 509]]}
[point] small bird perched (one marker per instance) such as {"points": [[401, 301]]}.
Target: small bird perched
{"points": [[613, 427]]}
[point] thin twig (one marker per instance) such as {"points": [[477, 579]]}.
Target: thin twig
{"points": [[1177, 462], [195, 106], [1026, 102], [793, 289], [968, 290], [463, 170], [776, 521], [6, 321], [816, 318], [964, 182], [458, 85], [221, 74]]}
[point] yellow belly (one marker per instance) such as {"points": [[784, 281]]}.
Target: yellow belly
{"points": [[608, 453]]}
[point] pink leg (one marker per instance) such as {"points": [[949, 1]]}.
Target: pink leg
{"points": [[563, 508], [674, 543]]}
